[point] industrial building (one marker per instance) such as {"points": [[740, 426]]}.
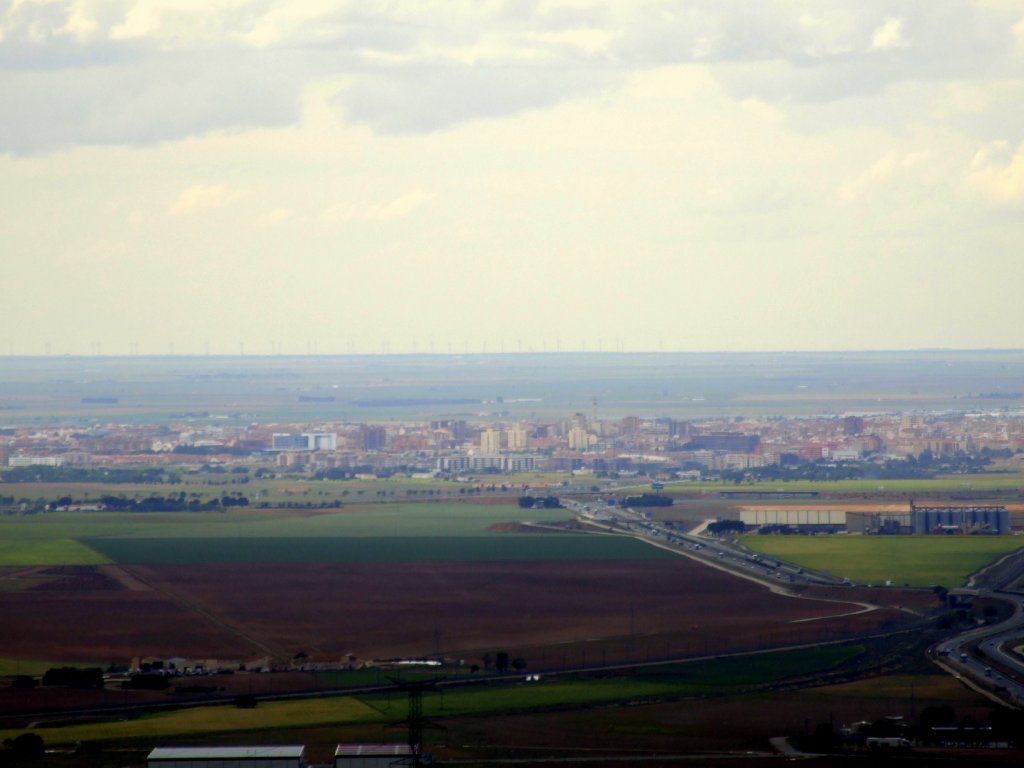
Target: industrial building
{"points": [[967, 519], [293, 756], [372, 755], [810, 520]]}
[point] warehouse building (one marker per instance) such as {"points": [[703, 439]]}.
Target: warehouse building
{"points": [[372, 755], [970, 519], [804, 520], [228, 757]]}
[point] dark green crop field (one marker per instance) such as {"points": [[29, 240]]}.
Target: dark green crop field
{"points": [[213, 551]]}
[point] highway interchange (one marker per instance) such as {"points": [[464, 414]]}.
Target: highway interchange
{"points": [[982, 657]]}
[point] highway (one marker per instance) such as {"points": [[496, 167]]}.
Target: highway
{"points": [[985, 655], [715, 552], [982, 657]]}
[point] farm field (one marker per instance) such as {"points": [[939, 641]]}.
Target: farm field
{"points": [[420, 519], [55, 551], [555, 613], [199, 721], [396, 549], [912, 560], [721, 724], [672, 724], [715, 677]]}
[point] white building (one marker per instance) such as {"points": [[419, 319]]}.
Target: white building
{"points": [[490, 441], [579, 439], [372, 755], [307, 441], [35, 461], [228, 757], [516, 438]]}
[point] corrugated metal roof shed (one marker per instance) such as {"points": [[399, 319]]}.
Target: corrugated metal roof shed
{"points": [[290, 752], [365, 750]]}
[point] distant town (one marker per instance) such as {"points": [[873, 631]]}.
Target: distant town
{"points": [[890, 445]]}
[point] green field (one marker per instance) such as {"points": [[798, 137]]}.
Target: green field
{"points": [[713, 677], [425, 518], [399, 549], [369, 532], [204, 720], [18, 552], [919, 561]]}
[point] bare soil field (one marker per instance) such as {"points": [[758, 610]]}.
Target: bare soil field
{"points": [[560, 613]]}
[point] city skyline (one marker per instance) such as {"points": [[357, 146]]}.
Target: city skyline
{"points": [[351, 178]]}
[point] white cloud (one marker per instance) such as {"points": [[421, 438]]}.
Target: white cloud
{"points": [[394, 208], [203, 197], [997, 172], [888, 36], [276, 217], [857, 187]]}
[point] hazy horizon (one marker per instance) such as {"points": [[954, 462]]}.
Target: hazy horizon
{"points": [[347, 177]]}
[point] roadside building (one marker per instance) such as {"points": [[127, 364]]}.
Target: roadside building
{"points": [[372, 755], [293, 756], [811, 520]]}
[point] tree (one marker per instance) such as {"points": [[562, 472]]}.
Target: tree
{"points": [[937, 716], [26, 745], [518, 663], [501, 661]]}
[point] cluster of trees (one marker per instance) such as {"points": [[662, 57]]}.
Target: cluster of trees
{"points": [[332, 504], [25, 745], [720, 527], [501, 662], [82, 475], [172, 503], [211, 450], [544, 502], [74, 677]]}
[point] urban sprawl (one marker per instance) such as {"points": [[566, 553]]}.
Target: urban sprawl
{"points": [[463, 449]]}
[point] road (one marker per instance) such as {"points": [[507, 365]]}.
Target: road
{"points": [[985, 657], [715, 552]]}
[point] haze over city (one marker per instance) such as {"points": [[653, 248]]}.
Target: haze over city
{"points": [[337, 177]]}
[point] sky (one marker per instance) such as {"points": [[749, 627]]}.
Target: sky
{"points": [[262, 177]]}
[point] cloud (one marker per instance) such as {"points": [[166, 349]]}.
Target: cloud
{"points": [[389, 210], [888, 36], [435, 96], [997, 173], [202, 197], [146, 102], [139, 72], [890, 165], [276, 217]]}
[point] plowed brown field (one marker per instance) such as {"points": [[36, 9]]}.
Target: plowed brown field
{"points": [[560, 613]]}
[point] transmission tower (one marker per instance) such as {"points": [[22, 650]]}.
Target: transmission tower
{"points": [[415, 722]]}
